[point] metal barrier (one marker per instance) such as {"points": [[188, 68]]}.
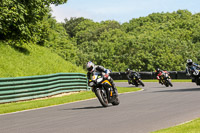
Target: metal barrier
{"points": [[31, 87], [150, 75]]}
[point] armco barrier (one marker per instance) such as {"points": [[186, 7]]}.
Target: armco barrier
{"points": [[149, 75], [182, 75], [24, 88]]}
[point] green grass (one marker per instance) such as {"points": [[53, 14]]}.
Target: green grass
{"points": [[32, 60], [25, 105], [190, 127], [155, 80]]}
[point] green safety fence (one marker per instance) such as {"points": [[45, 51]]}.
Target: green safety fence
{"points": [[31, 87]]}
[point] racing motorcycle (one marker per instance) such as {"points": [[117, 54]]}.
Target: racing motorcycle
{"points": [[166, 79], [103, 90], [195, 75], [136, 80]]}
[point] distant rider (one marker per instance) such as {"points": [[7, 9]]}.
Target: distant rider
{"points": [[130, 75], [159, 73], [97, 68], [190, 64]]}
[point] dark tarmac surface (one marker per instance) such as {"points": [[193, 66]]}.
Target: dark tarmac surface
{"points": [[154, 108]]}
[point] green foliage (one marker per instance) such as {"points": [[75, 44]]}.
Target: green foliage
{"points": [[59, 41], [162, 40], [32, 60], [70, 25], [20, 19]]}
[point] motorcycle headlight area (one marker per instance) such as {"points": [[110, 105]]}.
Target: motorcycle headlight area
{"points": [[99, 80], [196, 73], [91, 84]]}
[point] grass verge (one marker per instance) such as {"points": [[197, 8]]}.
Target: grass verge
{"points": [[190, 127], [31, 60], [26, 105]]}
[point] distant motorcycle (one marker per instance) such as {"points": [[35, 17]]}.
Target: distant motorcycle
{"points": [[103, 90], [166, 79], [195, 75], [136, 80]]}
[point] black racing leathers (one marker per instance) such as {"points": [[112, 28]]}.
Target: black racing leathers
{"points": [[130, 75], [189, 67], [101, 69]]}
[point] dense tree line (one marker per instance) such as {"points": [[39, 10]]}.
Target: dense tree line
{"points": [[162, 40]]}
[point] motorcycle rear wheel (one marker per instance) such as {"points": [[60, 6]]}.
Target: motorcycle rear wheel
{"points": [[102, 98]]}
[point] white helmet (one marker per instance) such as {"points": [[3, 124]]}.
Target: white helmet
{"points": [[189, 61], [90, 66]]}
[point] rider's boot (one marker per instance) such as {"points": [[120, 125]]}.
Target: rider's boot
{"points": [[114, 87]]}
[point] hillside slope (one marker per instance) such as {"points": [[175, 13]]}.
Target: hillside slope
{"points": [[32, 60]]}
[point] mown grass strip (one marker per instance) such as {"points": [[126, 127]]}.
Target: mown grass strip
{"points": [[190, 127], [26, 105]]}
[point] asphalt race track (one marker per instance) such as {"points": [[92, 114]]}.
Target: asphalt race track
{"points": [[154, 108]]}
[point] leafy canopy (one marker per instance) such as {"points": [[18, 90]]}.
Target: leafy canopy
{"points": [[20, 19]]}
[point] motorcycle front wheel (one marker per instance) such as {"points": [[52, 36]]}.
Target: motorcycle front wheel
{"points": [[102, 97], [140, 81], [166, 83], [116, 102], [170, 83]]}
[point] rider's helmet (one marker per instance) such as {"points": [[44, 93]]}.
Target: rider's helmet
{"points": [[189, 62], [127, 70], [90, 66], [158, 70]]}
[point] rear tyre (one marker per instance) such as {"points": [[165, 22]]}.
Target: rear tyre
{"points": [[102, 98]]}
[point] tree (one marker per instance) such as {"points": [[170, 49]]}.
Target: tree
{"points": [[59, 41], [20, 19], [71, 24]]}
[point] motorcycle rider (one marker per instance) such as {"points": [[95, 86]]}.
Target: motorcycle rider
{"points": [[159, 73], [91, 67], [189, 65], [129, 74]]}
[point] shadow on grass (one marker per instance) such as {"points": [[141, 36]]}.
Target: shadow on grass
{"points": [[21, 49]]}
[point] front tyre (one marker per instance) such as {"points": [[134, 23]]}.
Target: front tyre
{"points": [[116, 102], [170, 83], [102, 97], [167, 83], [140, 81]]}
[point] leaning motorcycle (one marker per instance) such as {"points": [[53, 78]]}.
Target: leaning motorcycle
{"points": [[195, 75], [136, 80], [166, 79], [103, 90]]}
